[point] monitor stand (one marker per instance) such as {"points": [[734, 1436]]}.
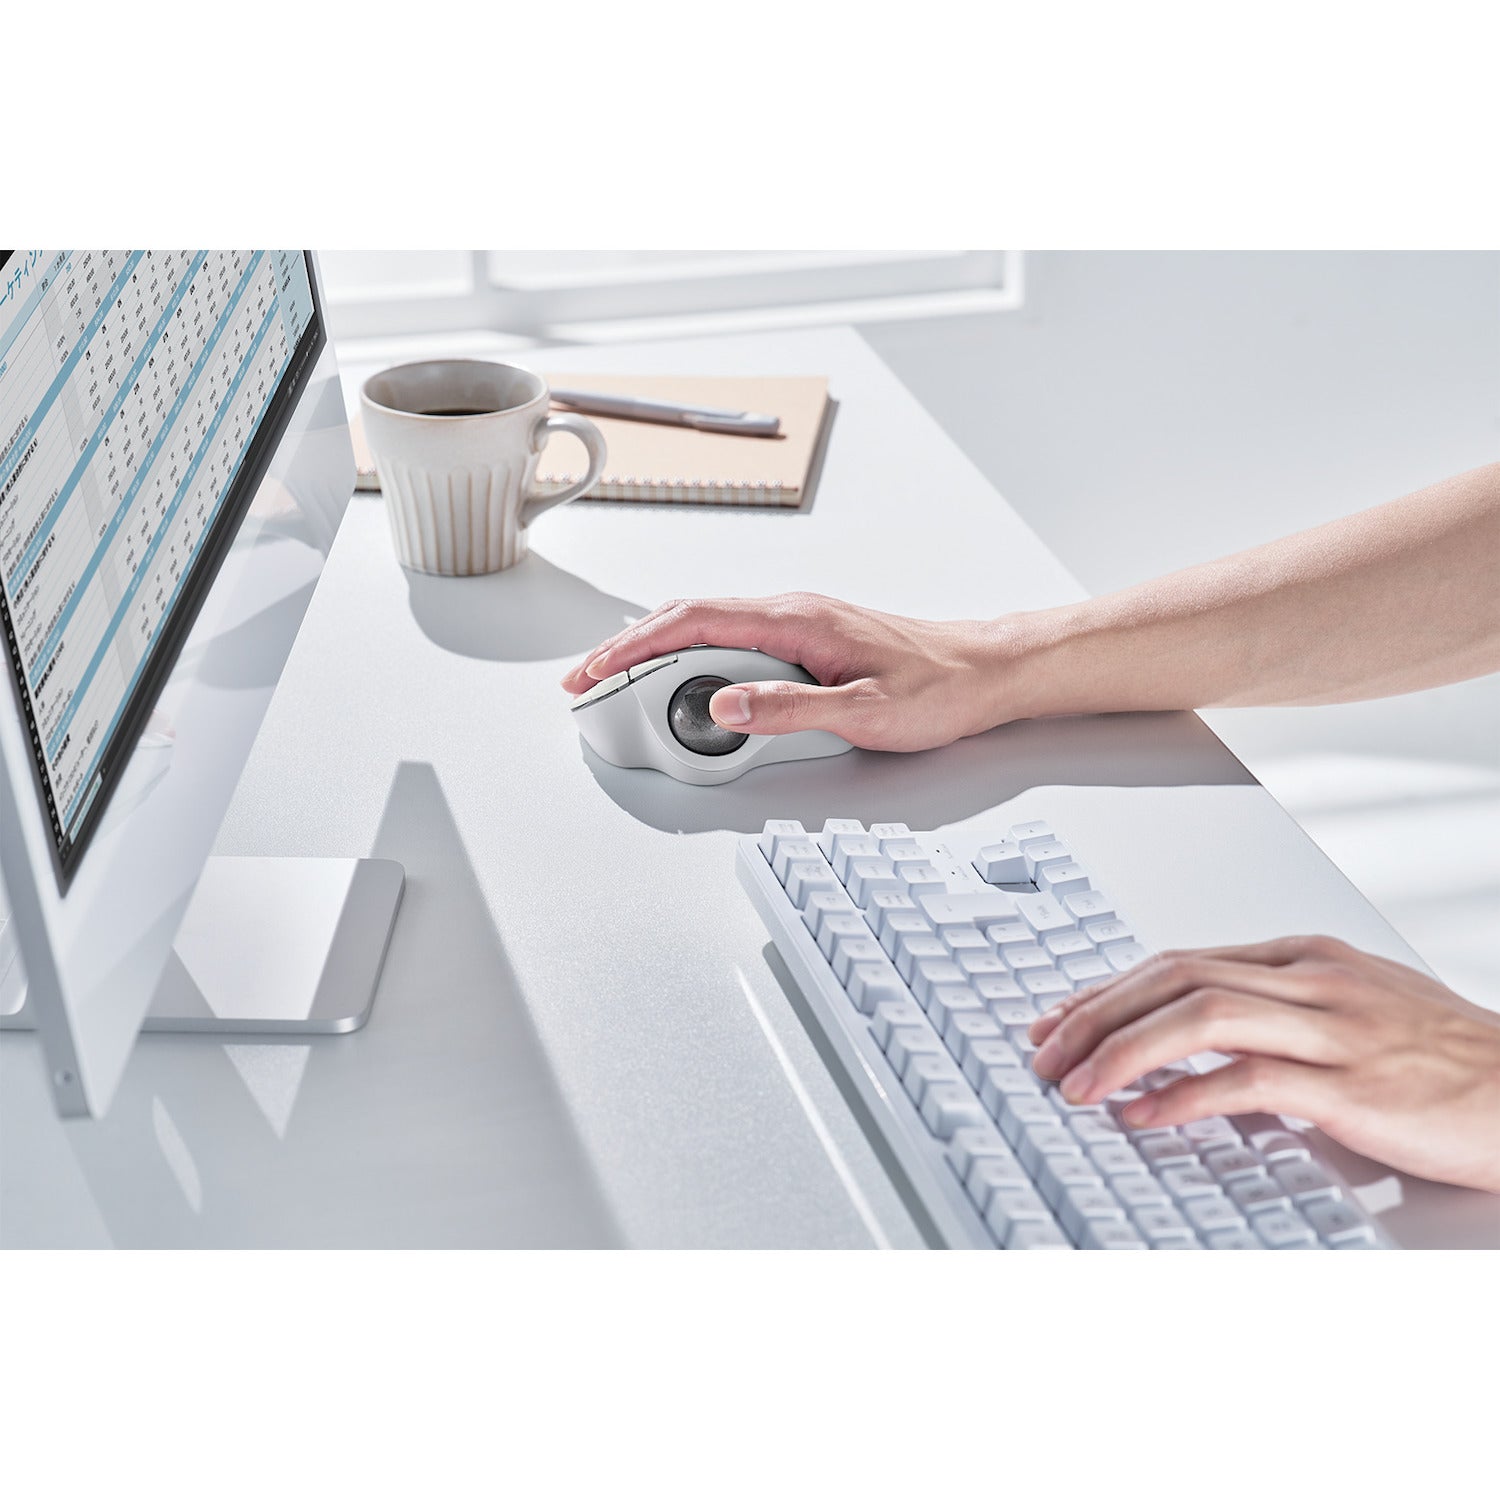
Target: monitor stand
{"points": [[269, 946]]}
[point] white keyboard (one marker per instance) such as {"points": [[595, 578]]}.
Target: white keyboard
{"points": [[925, 965]]}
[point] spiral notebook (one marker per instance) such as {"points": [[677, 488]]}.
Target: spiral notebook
{"points": [[653, 461]]}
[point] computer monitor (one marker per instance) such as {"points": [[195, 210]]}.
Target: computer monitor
{"points": [[174, 464]]}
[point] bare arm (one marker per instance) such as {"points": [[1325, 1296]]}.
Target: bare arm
{"points": [[1401, 597]]}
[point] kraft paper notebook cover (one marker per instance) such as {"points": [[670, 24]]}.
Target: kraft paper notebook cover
{"points": [[653, 461], [656, 462]]}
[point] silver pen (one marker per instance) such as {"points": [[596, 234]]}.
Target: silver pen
{"points": [[705, 418]]}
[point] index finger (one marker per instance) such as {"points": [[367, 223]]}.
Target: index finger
{"points": [[760, 624]]}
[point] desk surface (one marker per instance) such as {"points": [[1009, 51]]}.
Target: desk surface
{"points": [[581, 1036]]}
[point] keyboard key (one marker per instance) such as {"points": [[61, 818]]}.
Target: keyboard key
{"points": [[889, 831], [1020, 1112], [914, 948], [1010, 935], [925, 1071], [898, 925], [1161, 1225], [823, 904], [884, 905], [1049, 852], [1002, 863], [1086, 970], [1045, 986], [1078, 1202], [1037, 1237], [866, 876], [1110, 1234], [1067, 943], [908, 1042], [986, 965], [1284, 1229], [966, 1028], [1304, 1182], [1232, 1239], [1190, 1182], [903, 851], [998, 989], [1138, 1190], [1013, 1015], [949, 1000], [988, 1175], [1062, 879], [1029, 957], [832, 827], [968, 908], [1038, 1142], [874, 984], [1123, 956], [839, 926], [929, 975], [1166, 1150], [947, 1106], [1257, 1194], [988, 1053], [1110, 930], [1161, 1078], [1099, 1130], [1000, 1083], [966, 941], [848, 951], [919, 879], [1233, 1161], [1043, 914], [1209, 1133], [807, 877], [1010, 1208], [776, 830], [1055, 1174], [794, 851], [970, 1142], [1116, 1158], [1088, 906], [1026, 834], [1339, 1223], [849, 847], [891, 1015], [1215, 1212], [1280, 1145]]}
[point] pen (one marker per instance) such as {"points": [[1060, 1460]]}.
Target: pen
{"points": [[706, 418]]}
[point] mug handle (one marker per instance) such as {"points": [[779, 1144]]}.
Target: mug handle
{"points": [[591, 438]]}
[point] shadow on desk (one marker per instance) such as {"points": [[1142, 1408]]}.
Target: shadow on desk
{"points": [[936, 787], [532, 612], [439, 1124]]}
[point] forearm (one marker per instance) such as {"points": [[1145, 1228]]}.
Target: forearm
{"points": [[1401, 597]]}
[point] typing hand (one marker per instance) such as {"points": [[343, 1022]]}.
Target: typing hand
{"points": [[888, 683], [1382, 1058]]}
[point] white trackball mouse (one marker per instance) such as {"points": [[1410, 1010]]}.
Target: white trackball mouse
{"points": [[656, 715]]}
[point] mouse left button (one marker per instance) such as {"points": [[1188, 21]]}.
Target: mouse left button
{"points": [[646, 668], [602, 689]]}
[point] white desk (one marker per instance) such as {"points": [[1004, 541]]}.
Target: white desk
{"points": [[581, 1036]]}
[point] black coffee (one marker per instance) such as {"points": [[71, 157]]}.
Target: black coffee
{"points": [[456, 411]]}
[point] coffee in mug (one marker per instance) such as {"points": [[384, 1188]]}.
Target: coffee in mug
{"points": [[456, 443]]}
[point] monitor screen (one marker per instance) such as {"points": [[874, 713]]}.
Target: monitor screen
{"points": [[142, 394]]}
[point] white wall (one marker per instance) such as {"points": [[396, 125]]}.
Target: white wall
{"points": [[1145, 411]]}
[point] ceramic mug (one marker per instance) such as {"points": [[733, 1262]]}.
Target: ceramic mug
{"points": [[456, 443]]}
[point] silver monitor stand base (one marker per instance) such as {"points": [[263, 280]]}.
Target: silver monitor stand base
{"points": [[272, 947]]}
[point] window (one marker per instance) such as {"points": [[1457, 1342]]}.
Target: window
{"points": [[598, 295]]}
